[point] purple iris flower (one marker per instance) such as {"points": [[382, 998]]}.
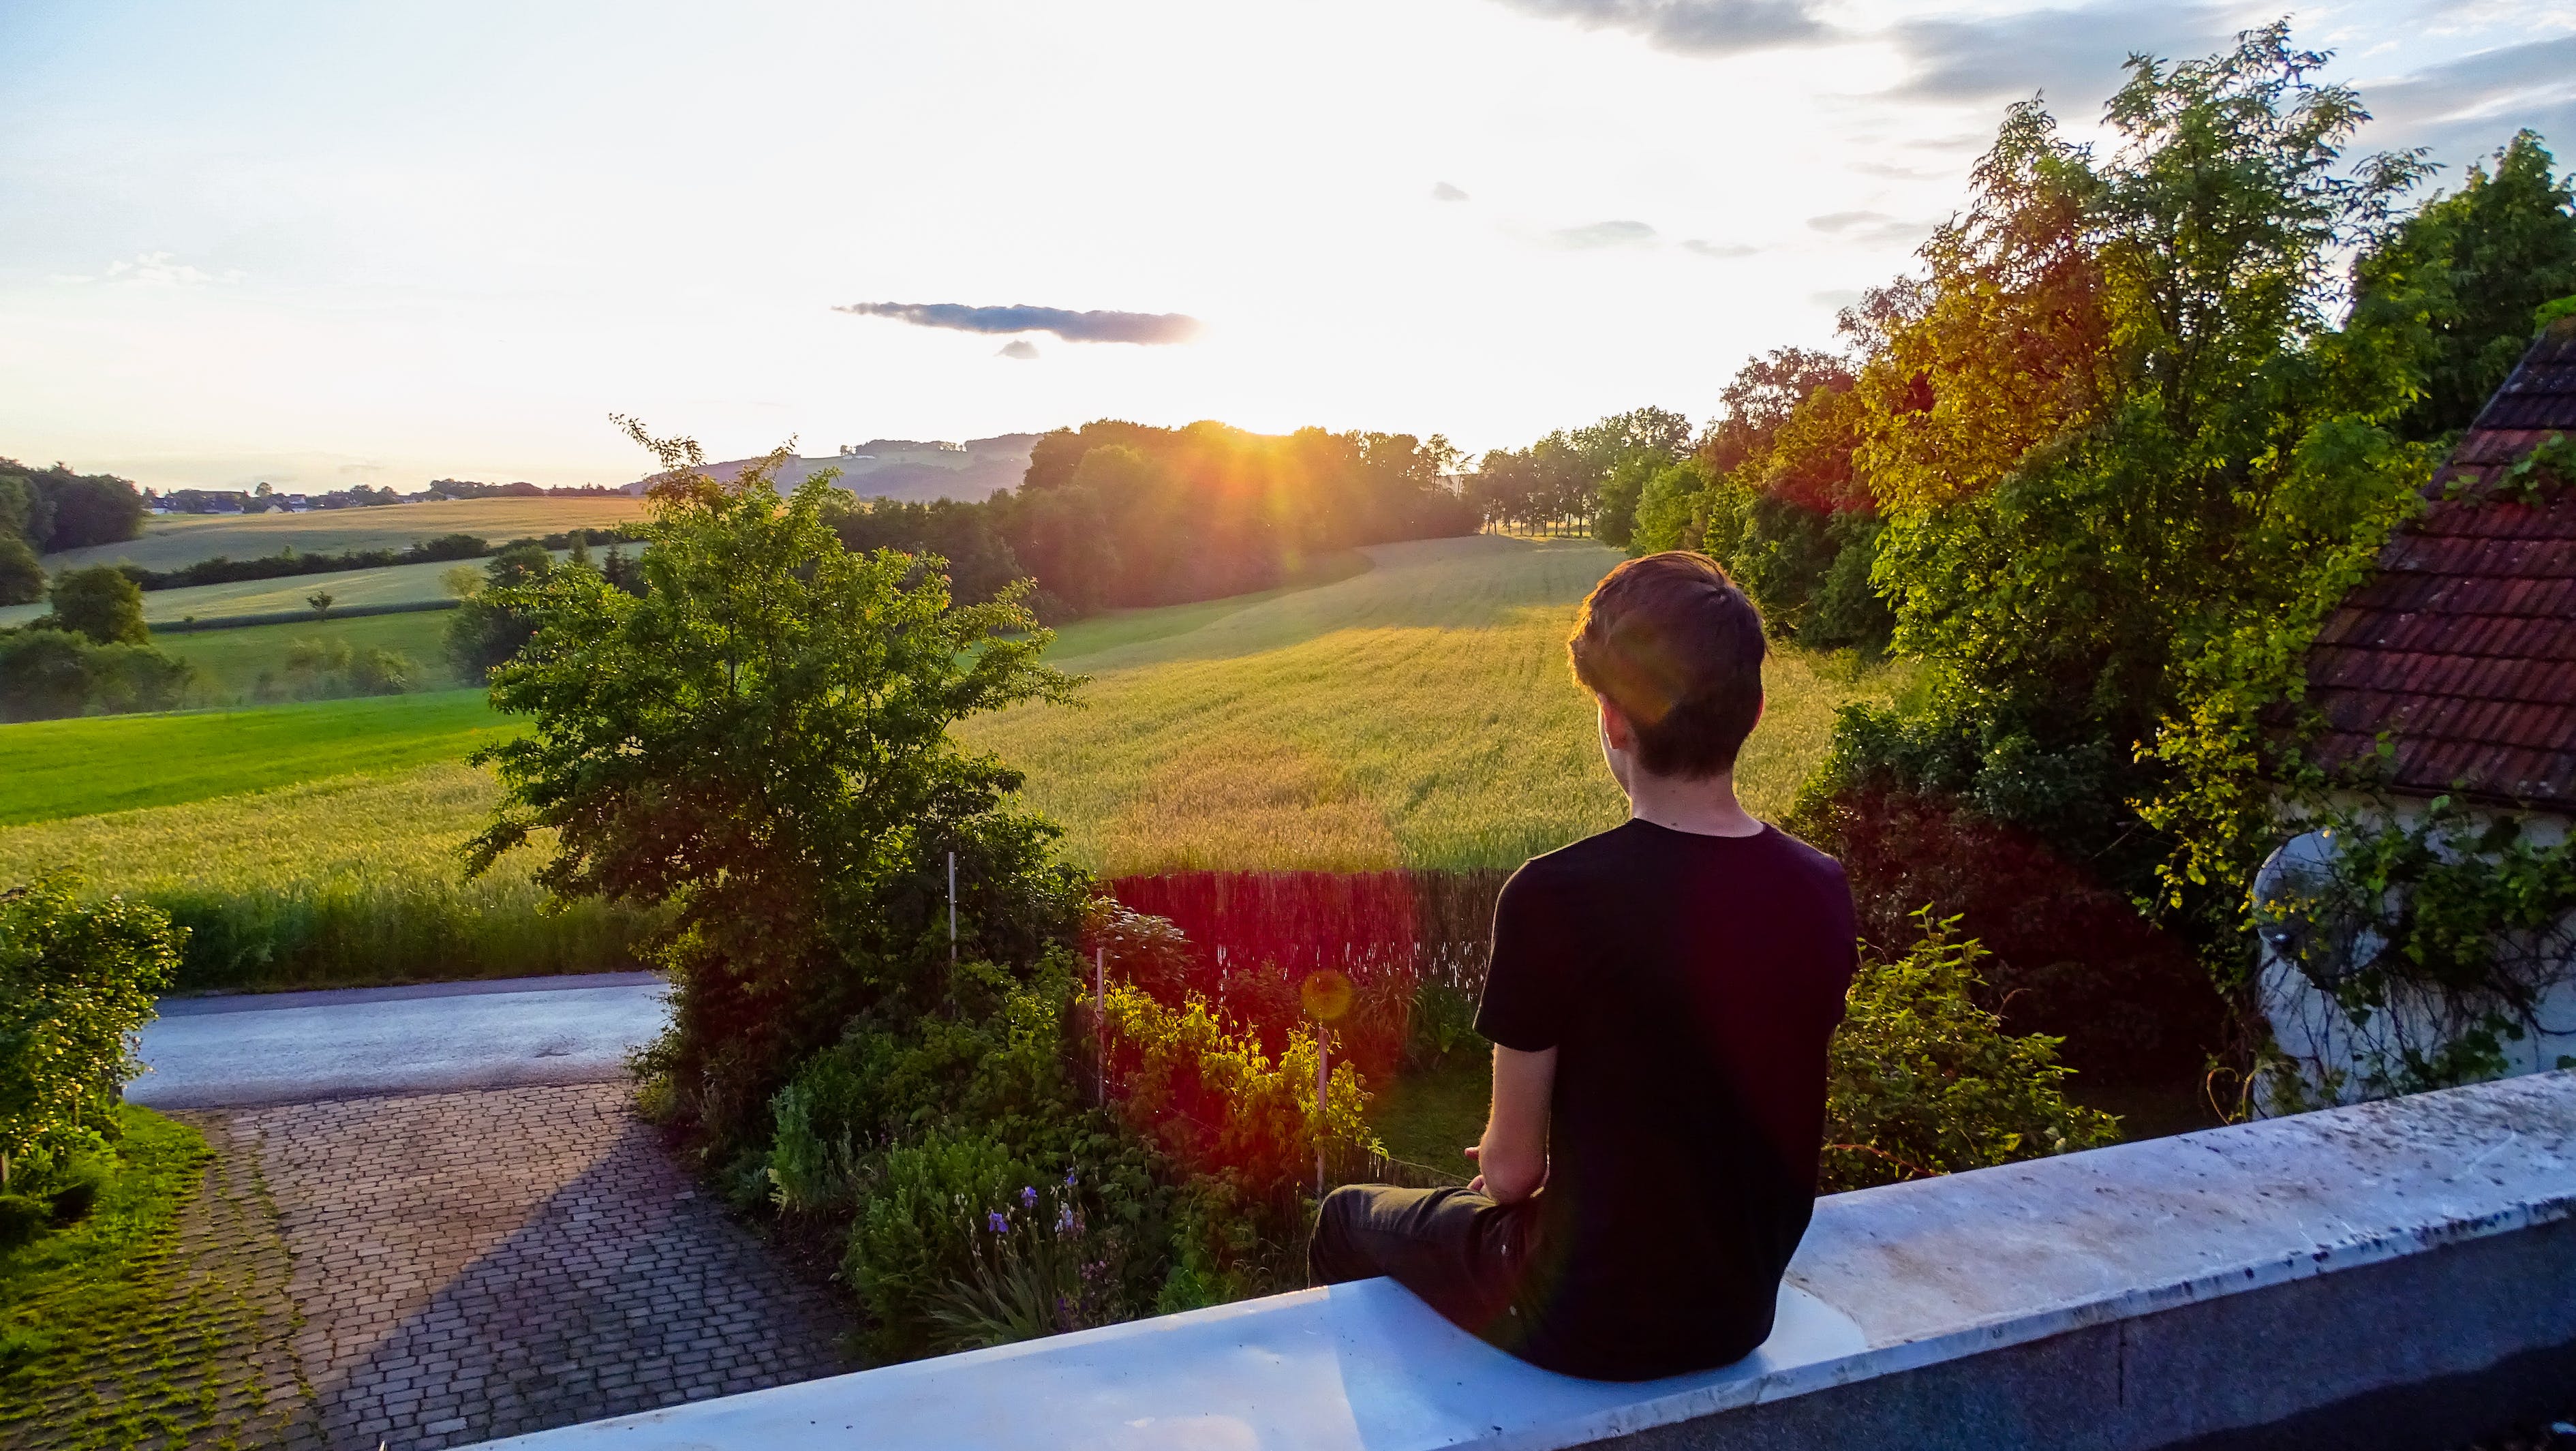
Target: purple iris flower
{"points": [[996, 1223], [1028, 1197]]}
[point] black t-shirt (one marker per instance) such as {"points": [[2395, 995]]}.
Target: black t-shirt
{"points": [[1689, 985]]}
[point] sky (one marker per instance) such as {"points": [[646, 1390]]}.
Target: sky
{"points": [[320, 244]]}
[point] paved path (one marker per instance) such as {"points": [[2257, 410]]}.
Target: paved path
{"points": [[297, 1047], [433, 1219], [474, 1265]]}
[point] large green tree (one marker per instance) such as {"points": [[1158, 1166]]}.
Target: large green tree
{"points": [[100, 602], [759, 746], [2466, 272], [2126, 460]]}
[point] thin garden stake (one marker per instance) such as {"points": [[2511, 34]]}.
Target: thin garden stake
{"points": [[1323, 1086], [1100, 1014], [952, 909]]}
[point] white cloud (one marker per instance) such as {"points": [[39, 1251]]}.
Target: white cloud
{"points": [[1444, 192], [150, 269]]}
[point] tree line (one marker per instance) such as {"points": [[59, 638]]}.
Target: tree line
{"points": [[2103, 463], [44, 510], [1114, 514]]}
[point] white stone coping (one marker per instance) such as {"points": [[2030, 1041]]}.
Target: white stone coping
{"points": [[1887, 1280]]}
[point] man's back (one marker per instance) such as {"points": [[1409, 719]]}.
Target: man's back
{"points": [[1689, 984]]}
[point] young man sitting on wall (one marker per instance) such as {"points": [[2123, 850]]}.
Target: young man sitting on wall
{"points": [[1659, 1003]]}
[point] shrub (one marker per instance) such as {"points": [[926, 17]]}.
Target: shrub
{"points": [[76, 979], [1922, 1081], [21, 1219], [1041, 1265], [49, 673], [22, 578], [761, 744], [914, 1233], [2072, 956], [99, 602], [1241, 1126]]}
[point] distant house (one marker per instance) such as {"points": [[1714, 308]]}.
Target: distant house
{"points": [[2460, 653]]}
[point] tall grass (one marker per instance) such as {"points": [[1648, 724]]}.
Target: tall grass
{"points": [[350, 880], [1419, 715]]}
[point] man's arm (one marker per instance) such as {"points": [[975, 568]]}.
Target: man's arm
{"points": [[1513, 1155]]}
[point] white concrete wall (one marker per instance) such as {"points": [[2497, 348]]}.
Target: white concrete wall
{"points": [[2363, 1273], [2335, 1052]]}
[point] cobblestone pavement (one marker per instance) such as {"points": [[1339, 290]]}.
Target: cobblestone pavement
{"points": [[480, 1264]]}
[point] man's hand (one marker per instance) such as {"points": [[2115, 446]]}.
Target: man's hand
{"points": [[1513, 1155]]}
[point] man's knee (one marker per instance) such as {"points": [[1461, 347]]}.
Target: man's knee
{"points": [[1333, 1252]]}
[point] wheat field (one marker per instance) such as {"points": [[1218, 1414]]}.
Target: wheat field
{"points": [[355, 878], [172, 540], [1418, 715]]}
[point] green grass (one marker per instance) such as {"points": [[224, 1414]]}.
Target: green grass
{"points": [[230, 662], [93, 1288], [179, 539], [64, 768], [164, 1317], [1111, 629], [1428, 1116], [1418, 715], [392, 585]]}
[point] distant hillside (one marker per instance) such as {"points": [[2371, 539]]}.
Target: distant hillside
{"points": [[902, 468]]}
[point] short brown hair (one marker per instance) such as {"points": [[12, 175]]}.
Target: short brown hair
{"points": [[1677, 647]]}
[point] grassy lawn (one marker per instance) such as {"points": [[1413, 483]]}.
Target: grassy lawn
{"points": [[1428, 1117], [90, 1287], [160, 1318], [179, 539], [230, 662], [62, 768], [1419, 714], [395, 584]]}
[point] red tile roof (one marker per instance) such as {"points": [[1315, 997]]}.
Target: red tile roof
{"points": [[2462, 647]]}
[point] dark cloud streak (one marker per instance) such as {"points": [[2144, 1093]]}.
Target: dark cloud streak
{"points": [[1074, 327], [1602, 234], [1696, 27]]}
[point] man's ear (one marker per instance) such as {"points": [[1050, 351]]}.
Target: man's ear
{"points": [[1615, 727]]}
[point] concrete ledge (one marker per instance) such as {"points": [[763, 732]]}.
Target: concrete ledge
{"points": [[2346, 1270]]}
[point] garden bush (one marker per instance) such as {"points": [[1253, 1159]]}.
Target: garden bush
{"points": [[76, 980], [2070, 956], [1923, 1081], [47, 673], [328, 669]]}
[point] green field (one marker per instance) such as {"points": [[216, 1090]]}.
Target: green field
{"points": [[393, 584], [230, 662], [64, 768], [1417, 715], [170, 541]]}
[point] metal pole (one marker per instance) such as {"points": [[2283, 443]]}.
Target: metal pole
{"points": [[1100, 1014], [952, 909], [1323, 1087]]}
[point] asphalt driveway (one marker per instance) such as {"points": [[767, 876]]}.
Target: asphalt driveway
{"points": [[265, 1048]]}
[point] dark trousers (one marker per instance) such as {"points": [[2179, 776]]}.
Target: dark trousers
{"points": [[1462, 1253]]}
